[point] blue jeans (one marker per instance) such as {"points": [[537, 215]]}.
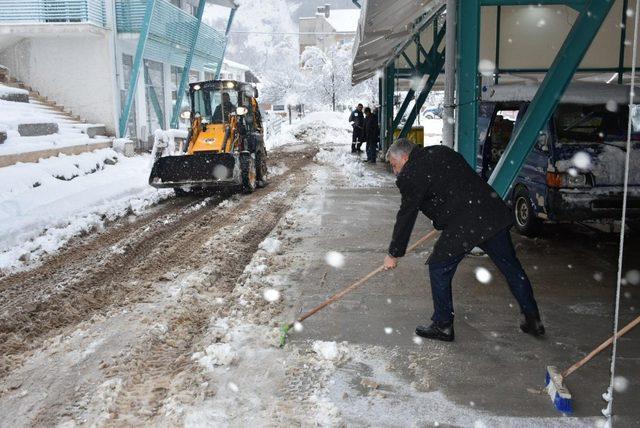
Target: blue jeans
{"points": [[500, 250]]}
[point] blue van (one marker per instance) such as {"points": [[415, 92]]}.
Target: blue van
{"points": [[575, 172]]}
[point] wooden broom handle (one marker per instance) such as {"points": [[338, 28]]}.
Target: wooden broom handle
{"points": [[604, 344], [361, 281]]}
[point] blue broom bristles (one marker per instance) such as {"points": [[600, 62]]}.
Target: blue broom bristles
{"points": [[558, 392]]}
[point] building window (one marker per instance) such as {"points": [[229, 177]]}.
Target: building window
{"points": [[209, 75], [154, 95], [127, 67]]}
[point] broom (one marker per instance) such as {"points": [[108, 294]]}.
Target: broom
{"points": [[284, 330], [554, 381]]}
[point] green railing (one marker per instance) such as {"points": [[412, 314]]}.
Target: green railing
{"points": [[171, 34], [52, 11]]}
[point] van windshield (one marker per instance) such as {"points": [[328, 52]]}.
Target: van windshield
{"points": [[576, 123]]}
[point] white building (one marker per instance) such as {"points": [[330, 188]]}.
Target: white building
{"points": [[81, 54], [235, 71], [329, 27]]}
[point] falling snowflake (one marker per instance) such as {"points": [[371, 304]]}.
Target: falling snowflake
{"points": [[334, 259], [541, 23], [633, 277], [612, 106], [597, 276], [620, 383], [581, 160], [486, 67], [297, 327], [389, 301], [483, 275], [417, 340], [220, 172], [233, 387], [271, 295], [388, 330]]}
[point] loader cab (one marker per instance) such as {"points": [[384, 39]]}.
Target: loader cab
{"points": [[216, 101]]}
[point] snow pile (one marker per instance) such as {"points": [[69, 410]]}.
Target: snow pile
{"points": [[270, 245], [8, 90], [217, 354], [320, 127], [40, 213], [351, 167], [24, 176], [327, 350]]}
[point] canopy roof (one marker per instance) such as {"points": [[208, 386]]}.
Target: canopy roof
{"points": [[384, 27], [528, 40]]}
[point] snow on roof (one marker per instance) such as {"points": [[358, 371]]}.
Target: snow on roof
{"points": [[234, 64], [577, 92], [344, 20]]}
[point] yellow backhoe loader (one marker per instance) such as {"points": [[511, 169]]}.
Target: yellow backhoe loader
{"points": [[225, 144]]}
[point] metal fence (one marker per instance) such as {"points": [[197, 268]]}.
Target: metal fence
{"points": [[273, 125], [52, 11]]}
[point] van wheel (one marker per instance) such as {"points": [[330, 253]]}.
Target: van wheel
{"points": [[248, 173], [524, 215]]}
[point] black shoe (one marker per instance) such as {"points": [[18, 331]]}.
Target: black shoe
{"points": [[435, 332], [532, 325], [366, 161]]}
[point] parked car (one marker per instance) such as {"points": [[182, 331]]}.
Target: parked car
{"points": [[575, 172]]}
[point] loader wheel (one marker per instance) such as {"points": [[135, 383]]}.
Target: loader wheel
{"points": [[248, 173], [261, 167]]}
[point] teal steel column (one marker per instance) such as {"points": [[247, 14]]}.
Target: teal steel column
{"points": [[403, 109], [187, 66], [467, 75], [389, 88], [432, 66], [435, 67], [553, 86], [226, 40], [137, 63]]}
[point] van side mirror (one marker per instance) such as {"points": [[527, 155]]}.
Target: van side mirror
{"points": [[255, 92]]}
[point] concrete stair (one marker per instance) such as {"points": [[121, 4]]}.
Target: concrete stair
{"points": [[52, 121]]}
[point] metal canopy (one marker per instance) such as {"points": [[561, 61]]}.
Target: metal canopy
{"points": [[519, 38], [383, 29]]}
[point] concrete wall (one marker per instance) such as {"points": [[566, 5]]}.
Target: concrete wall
{"points": [[75, 71]]}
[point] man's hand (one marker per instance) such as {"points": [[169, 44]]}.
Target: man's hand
{"points": [[390, 262]]}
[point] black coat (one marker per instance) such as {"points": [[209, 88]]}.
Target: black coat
{"points": [[438, 181], [357, 117], [371, 129]]}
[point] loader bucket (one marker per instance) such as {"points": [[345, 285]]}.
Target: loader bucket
{"points": [[197, 170]]}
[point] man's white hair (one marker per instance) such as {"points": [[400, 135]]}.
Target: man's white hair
{"points": [[400, 147]]}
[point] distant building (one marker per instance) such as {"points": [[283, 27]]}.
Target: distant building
{"points": [[81, 54], [329, 27], [235, 71]]}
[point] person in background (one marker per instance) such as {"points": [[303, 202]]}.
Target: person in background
{"points": [[371, 134], [439, 182], [356, 119]]}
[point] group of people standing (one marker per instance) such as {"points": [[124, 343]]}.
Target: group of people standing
{"points": [[364, 121]]}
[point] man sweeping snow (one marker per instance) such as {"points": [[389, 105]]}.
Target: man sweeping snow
{"points": [[438, 181]]}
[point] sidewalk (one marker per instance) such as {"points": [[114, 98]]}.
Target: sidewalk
{"points": [[489, 373]]}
